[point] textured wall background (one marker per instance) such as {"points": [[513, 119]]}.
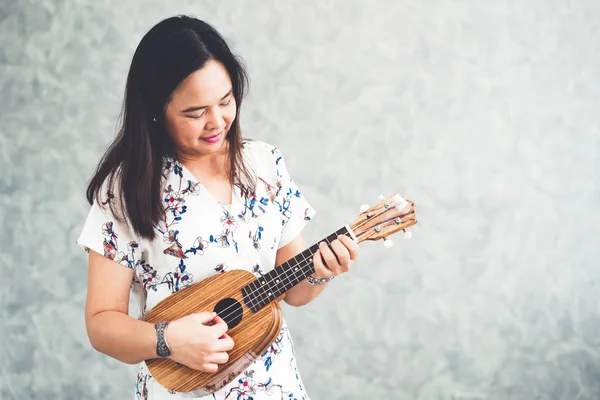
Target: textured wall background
{"points": [[485, 113]]}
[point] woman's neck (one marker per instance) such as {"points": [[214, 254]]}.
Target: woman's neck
{"points": [[207, 167]]}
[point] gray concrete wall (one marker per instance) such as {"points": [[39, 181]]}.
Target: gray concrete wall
{"points": [[486, 114]]}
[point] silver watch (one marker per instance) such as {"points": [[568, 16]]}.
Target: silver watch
{"points": [[162, 348], [315, 281]]}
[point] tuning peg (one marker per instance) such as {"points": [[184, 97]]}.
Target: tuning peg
{"points": [[387, 243], [364, 208], [381, 197], [407, 235]]}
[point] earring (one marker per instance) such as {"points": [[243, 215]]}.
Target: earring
{"points": [[154, 119]]}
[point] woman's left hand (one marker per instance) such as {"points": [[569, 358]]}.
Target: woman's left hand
{"points": [[335, 259]]}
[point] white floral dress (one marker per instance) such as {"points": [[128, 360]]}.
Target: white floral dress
{"points": [[201, 237]]}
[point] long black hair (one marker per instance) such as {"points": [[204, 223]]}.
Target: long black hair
{"points": [[132, 166]]}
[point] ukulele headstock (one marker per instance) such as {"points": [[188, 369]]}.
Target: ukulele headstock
{"points": [[390, 215]]}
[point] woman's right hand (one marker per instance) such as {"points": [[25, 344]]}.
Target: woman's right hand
{"points": [[199, 341]]}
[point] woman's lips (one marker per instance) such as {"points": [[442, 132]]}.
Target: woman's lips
{"points": [[214, 138]]}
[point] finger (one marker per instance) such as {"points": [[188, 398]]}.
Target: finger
{"points": [[320, 269], [342, 254], [331, 261], [224, 344], [351, 245], [219, 328], [205, 317], [218, 358], [219, 320], [209, 367]]}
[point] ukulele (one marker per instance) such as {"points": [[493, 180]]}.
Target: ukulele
{"points": [[250, 305]]}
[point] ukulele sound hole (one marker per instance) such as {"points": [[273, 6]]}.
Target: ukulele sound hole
{"points": [[230, 310]]}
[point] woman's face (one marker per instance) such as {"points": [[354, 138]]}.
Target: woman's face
{"points": [[201, 112]]}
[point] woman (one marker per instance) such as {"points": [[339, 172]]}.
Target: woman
{"points": [[179, 197]]}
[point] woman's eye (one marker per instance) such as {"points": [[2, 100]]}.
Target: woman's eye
{"points": [[226, 103], [197, 116]]}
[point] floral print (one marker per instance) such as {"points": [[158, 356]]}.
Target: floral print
{"points": [[198, 238]]}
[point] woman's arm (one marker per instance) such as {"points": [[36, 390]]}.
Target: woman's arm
{"points": [[113, 332], [110, 329]]}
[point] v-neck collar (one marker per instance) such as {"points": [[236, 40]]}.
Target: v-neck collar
{"points": [[187, 175]]}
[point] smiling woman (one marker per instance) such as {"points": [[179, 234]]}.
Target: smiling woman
{"points": [[184, 88], [179, 197], [212, 119], [198, 120]]}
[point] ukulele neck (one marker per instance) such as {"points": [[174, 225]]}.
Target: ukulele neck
{"points": [[273, 284]]}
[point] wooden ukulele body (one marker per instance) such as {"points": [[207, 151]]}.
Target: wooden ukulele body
{"points": [[254, 331], [252, 335]]}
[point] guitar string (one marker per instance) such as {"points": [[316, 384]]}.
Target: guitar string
{"points": [[257, 300], [342, 231], [264, 296]]}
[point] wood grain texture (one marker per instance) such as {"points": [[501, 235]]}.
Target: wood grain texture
{"points": [[252, 336]]}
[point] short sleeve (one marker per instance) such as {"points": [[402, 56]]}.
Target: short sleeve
{"points": [[104, 234], [295, 209]]}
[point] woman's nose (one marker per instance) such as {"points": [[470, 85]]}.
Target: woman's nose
{"points": [[215, 120]]}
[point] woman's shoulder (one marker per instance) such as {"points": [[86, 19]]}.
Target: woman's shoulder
{"points": [[259, 148], [262, 155]]}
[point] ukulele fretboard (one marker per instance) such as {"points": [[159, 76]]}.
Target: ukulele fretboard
{"points": [[273, 284]]}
